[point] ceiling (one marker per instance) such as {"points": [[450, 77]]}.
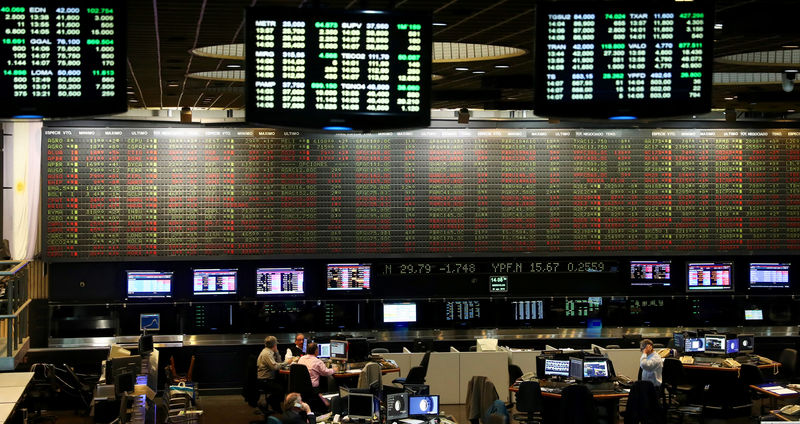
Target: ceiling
{"points": [[161, 34]]}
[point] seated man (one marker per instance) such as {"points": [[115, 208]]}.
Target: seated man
{"points": [[316, 367], [295, 411], [295, 351], [269, 362]]}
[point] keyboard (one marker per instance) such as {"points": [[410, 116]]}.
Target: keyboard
{"points": [[547, 384]]}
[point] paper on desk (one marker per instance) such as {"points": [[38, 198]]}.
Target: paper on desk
{"points": [[780, 390]]}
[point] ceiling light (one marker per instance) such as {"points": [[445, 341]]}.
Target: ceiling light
{"points": [[501, 66], [233, 65], [461, 68], [172, 85], [717, 26], [478, 72], [439, 24], [729, 98], [790, 46], [133, 101], [790, 110]]}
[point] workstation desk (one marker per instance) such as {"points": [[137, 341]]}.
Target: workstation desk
{"points": [[12, 387]]}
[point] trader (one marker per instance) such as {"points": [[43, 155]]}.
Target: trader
{"points": [[296, 351], [651, 363], [269, 362], [295, 411], [316, 368]]}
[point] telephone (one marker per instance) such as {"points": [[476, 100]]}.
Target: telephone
{"points": [[763, 360], [790, 409], [624, 380], [664, 352], [687, 360], [731, 363], [528, 376]]}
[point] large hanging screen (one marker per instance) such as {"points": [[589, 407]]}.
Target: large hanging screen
{"points": [[62, 58], [615, 59], [316, 68]]}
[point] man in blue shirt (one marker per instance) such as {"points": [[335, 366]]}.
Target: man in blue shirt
{"points": [[651, 363]]}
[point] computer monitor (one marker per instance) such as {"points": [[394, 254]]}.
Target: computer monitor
{"points": [[769, 275], [149, 322], [650, 273], [216, 281], [709, 276], [279, 281], [595, 369], [576, 368], [556, 368], [397, 313], [753, 314], [360, 406], [747, 342], [324, 350], [679, 340], [396, 406], [149, 284], [695, 345], [357, 349], [348, 277], [715, 343], [732, 346], [338, 350], [423, 405]]}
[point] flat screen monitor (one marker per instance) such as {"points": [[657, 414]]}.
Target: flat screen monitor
{"points": [[623, 59], [357, 349], [150, 322], [338, 350], [278, 281], [423, 405], [576, 368], [498, 284], [753, 314], [326, 68], [528, 310], [149, 284], [462, 310], [324, 350], [63, 58], [715, 343], [769, 275], [595, 369], [396, 406], [747, 342], [360, 406], [556, 368], [715, 276], [399, 312], [650, 273], [214, 281], [348, 276], [695, 345], [732, 346]]}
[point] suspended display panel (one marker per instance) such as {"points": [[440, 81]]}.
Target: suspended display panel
{"points": [[317, 68], [196, 192], [623, 59], [63, 58]]}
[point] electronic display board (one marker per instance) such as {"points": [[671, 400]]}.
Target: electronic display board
{"points": [[710, 276], [650, 273], [462, 310], [317, 68], [143, 193], [615, 59], [278, 281], [149, 284], [769, 275], [63, 58]]}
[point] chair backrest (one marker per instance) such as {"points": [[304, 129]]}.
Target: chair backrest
{"points": [[642, 406], [577, 406], [250, 391], [514, 372], [672, 373], [751, 375], [497, 413], [639, 377], [529, 397], [416, 375], [370, 377], [299, 379], [788, 360], [425, 360]]}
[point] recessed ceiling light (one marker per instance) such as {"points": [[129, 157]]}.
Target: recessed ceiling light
{"points": [[478, 72], [790, 46], [717, 26], [233, 65], [729, 98], [131, 92], [172, 85], [461, 68], [501, 66], [439, 24], [133, 101]]}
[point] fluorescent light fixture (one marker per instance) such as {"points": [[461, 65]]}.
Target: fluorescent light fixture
{"points": [[441, 24], [729, 98], [233, 65], [461, 68], [478, 72], [501, 66], [790, 46], [717, 26], [791, 110]]}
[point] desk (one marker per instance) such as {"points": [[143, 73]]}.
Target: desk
{"points": [[350, 373], [605, 395], [782, 417], [773, 397], [604, 400], [713, 368], [12, 386]]}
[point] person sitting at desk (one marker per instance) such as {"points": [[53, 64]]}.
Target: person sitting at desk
{"points": [[651, 363], [295, 411], [296, 351], [316, 367], [269, 362]]}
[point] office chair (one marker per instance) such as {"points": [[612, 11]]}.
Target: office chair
{"points": [[529, 402], [74, 387], [577, 406], [726, 401], [416, 375], [788, 369], [300, 382], [42, 391], [642, 406], [674, 380], [751, 375]]}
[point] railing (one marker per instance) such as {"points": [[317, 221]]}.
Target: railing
{"points": [[14, 303]]}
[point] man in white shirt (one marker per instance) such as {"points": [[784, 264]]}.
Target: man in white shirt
{"points": [[296, 351], [651, 363]]}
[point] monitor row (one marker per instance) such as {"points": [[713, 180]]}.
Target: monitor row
{"points": [[713, 343], [701, 276]]}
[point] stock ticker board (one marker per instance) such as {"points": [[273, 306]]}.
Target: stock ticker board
{"points": [[605, 59], [316, 68], [189, 192], [62, 58]]}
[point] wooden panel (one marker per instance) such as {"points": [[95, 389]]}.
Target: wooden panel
{"points": [[37, 280]]}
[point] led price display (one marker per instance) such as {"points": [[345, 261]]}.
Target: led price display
{"points": [[62, 58], [525, 310], [320, 68], [710, 276], [275, 281], [604, 59], [429, 195]]}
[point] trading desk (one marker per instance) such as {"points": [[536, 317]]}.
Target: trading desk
{"points": [[607, 402], [349, 373], [721, 368], [598, 395]]}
